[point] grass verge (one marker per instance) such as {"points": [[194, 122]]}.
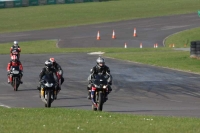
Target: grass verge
{"points": [[55, 120], [183, 39], [64, 15]]}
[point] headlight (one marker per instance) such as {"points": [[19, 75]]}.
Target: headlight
{"points": [[49, 84], [105, 86]]}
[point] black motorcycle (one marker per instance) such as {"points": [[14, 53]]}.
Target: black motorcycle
{"points": [[48, 91], [15, 80], [99, 85]]}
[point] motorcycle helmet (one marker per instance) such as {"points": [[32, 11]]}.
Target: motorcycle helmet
{"points": [[48, 65], [52, 60], [14, 58], [15, 43], [100, 62]]}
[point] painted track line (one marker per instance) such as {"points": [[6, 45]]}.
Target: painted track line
{"points": [[5, 106]]}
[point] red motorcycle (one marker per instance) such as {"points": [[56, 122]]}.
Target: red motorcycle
{"points": [[15, 78]]}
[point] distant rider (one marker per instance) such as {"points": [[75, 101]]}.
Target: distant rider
{"points": [[58, 69], [102, 69], [16, 48], [48, 69], [14, 63]]}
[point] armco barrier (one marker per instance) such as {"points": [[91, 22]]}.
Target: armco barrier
{"points": [[2, 4], [25, 3], [69, 1], [17, 3], [42, 2], [33, 3], [9, 4], [60, 1], [78, 1], [50, 2], [87, 0]]}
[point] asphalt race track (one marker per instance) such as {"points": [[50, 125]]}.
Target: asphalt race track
{"points": [[137, 88]]}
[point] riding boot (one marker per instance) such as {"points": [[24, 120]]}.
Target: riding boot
{"points": [[8, 80], [89, 95], [21, 80]]}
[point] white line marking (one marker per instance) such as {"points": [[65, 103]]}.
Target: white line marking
{"points": [[5, 106], [173, 27]]}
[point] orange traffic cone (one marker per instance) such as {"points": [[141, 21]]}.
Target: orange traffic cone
{"points": [[113, 35], [134, 33], [140, 45], [98, 36], [125, 46]]}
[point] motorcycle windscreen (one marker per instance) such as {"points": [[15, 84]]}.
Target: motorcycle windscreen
{"points": [[100, 80], [15, 70], [49, 78]]}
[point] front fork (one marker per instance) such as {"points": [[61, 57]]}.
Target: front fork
{"points": [[42, 92], [92, 94]]}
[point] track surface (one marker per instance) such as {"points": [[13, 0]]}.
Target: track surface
{"points": [[137, 88]]}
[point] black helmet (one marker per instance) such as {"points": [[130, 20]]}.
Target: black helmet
{"points": [[100, 62], [48, 65]]}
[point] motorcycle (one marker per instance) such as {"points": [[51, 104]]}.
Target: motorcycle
{"points": [[48, 91], [15, 77], [99, 85]]}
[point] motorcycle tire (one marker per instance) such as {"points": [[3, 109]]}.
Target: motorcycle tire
{"points": [[100, 101], [49, 99]]}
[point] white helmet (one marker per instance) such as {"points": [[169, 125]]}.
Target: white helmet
{"points": [[15, 43]]}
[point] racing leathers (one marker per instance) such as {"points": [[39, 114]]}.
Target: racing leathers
{"points": [[12, 64], [14, 50], [58, 69], [99, 70], [46, 71]]}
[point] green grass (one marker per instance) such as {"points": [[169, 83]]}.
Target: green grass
{"points": [[55, 120], [183, 38], [67, 120], [63, 15]]}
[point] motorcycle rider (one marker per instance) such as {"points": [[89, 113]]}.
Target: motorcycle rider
{"points": [[58, 69], [14, 62], [15, 47], [48, 69], [103, 69]]}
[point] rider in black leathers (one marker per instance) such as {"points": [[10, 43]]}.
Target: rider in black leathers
{"points": [[48, 69], [58, 68], [100, 68]]}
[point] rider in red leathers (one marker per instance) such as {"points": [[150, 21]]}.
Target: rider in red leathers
{"points": [[15, 49], [13, 63]]}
